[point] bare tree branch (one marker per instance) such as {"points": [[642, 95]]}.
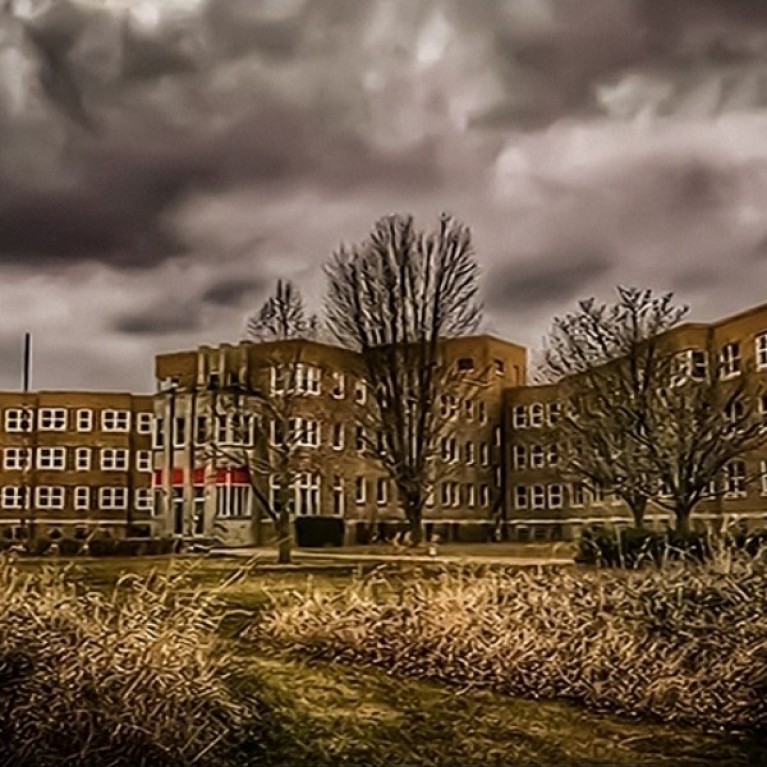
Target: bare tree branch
{"points": [[394, 299]]}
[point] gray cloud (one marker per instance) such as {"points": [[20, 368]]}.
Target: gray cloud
{"points": [[233, 292], [153, 153], [544, 280]]}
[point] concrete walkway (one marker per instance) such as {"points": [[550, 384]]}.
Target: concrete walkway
{"points": [[331, 555]]}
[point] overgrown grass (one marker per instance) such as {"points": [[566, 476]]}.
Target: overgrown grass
{"points": [[135, 676], [687, 644]]}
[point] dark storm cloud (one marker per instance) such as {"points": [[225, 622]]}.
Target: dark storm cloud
{"points": [[544, 280], [145, 145], [233, 292], [156, 321]]}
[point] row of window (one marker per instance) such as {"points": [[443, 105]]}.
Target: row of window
{"points": [[534, 456], [55, 458], [305, 432], [58, 419], [470, 409], [536, 415], [552, 496], [54, 497]]}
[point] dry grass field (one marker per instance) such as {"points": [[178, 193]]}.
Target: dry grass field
{"points": [[284, 692]]}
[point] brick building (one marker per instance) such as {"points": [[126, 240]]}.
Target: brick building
{"points": [[203, 491], [541, 505], [71, 462]]}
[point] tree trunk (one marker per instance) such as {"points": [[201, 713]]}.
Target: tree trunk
{"points": [[282, 526], [682, 521], [638, 508], [413, 515]]}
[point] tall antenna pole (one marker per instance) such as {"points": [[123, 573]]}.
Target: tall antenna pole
{"points": [[27, 355]]}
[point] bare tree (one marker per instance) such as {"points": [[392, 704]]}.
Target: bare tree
{"points": [[394, 299], [643, 417], [700, 426], [608, 359], [258, 424]]}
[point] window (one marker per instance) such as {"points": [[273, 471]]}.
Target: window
{"points": [[144, 460], [84, 420], [761, 351], [115, 420], [19, 419], [735, 479], [307, 494], [339, 385], [538, 496], [338, 436], [555, 411], [179, 431], [468, 409], [144, 423], [500, 367], [450, 494], [690, 365], [449, 450], [114, 459], [730, 360], [520, 497], [555, 496], [53, 419], [13, 497], [51, 458], [382, 491], [484, 454], [113, 497], [471, 499], [359, 438], [536, 415], [304, 432], [201, 430], [497, 436], [360, 393], [597, 495], [82, 498], [537, 457], [82, 459], [465, 363], [734, 411], [484, 496], [448, 406], [307, 379], [553, 455], [159, 433], [520, 457], [520, 417], [577, 495], [360, 490], [15, 458], [49, 497], [482, 411], [277, 380], [338, 495], [232, 500], [468, 453], [143, 499]]}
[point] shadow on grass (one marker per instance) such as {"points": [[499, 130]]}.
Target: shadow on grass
{"points": [[325, 714]]}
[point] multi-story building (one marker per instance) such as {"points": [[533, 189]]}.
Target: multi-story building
{"points": [[174, 463], [71, 462], [542, 505], [204, 486]]}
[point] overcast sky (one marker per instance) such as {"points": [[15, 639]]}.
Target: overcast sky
{"points": [[162, 162]]}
